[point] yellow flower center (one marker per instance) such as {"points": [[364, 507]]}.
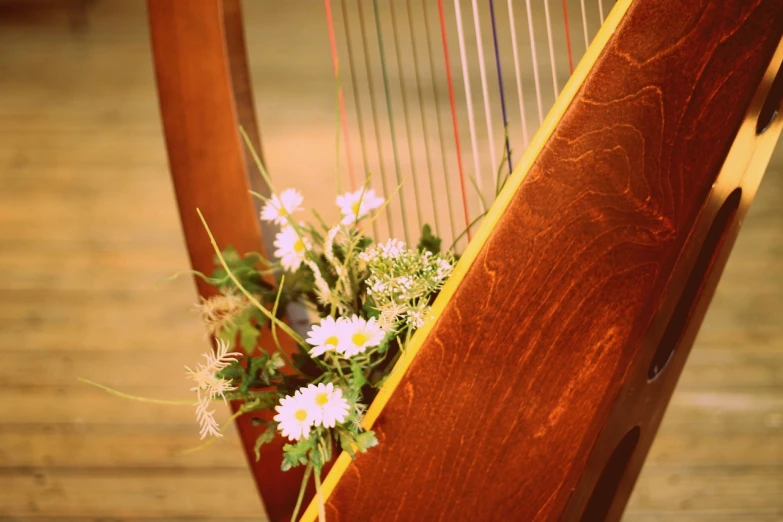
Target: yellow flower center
{"points": [[355, 208], [300, 415], [332, 341], [299, 246], [321, 399], [359, 339]]}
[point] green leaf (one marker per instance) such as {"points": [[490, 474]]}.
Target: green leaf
{"points": [[233, 372], [275, 363], [363, 243], [229, 333], [317, 460], [248, 337], [266, 437], [388, 338], [296, 454], [346, 442], [245, 268], [370, 309], [358, 375], [429, 242], [365, 441]]}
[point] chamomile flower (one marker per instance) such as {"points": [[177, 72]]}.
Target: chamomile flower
{"points": [[278, 208], [328, 403], [355, 205], [326, 336], [291, 248], [358, 335], [296, 415]]}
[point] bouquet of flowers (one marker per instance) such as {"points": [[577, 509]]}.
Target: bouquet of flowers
{"points": [[365, 301]]}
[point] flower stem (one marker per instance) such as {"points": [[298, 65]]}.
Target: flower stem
{"points": [[283, 353], [298, 506], [287, 329], [337, 365], [466, 230], [321, 509], [128, 396], [257, 160]]}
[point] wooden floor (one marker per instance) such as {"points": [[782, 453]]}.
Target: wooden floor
{"points": [[88, 229]]}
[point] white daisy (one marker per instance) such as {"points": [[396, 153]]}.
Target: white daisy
{"points": [[291, 248], [358, 335], [328, 403], [296, 416], [278, 208], [326, 336], [355, 205]]}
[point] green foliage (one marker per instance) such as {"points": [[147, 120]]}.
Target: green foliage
{"points": [[429, 242], [245, 268], [297, 454], [358, 376], [352, 442], [266, 437], [349, 277], [247, 326], [365, 441]]}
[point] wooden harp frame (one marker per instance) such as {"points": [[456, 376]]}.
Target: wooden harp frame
{"points": [[537, 390]]}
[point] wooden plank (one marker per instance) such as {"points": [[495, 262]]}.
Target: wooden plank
{"points": [[708, 490], [86, 126], [89, 445], [720, 370], [129, 494], [85, 446], [763, 515], [690, 412], [189, 492]]}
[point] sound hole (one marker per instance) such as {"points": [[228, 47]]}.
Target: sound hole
{"points": [[772, 104], [606, 487], [690, 294]]}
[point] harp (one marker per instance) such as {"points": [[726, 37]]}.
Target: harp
{"points": [[582, 290]]}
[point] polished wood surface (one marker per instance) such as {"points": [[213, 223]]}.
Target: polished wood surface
{"points": [[529, 399], [89, 226], [197, 78]]}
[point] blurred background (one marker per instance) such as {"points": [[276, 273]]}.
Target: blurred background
{"points": [[89, 233]]}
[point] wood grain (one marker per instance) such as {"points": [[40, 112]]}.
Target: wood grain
{"points": [[207, 161], [537, 367], [82, 154]]}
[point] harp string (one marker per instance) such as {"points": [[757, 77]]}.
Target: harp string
{"points": [[536, 75], [568, 38], [500, 84], [551, 48], [454, 120], [387, 93], [403, 105], [466, 81], [358, 106], [375, 118], [405, 116], [436, 98], [601, 10], [340, 97], [425, 130], [584, 23], [517, 73], [485, 94]]}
